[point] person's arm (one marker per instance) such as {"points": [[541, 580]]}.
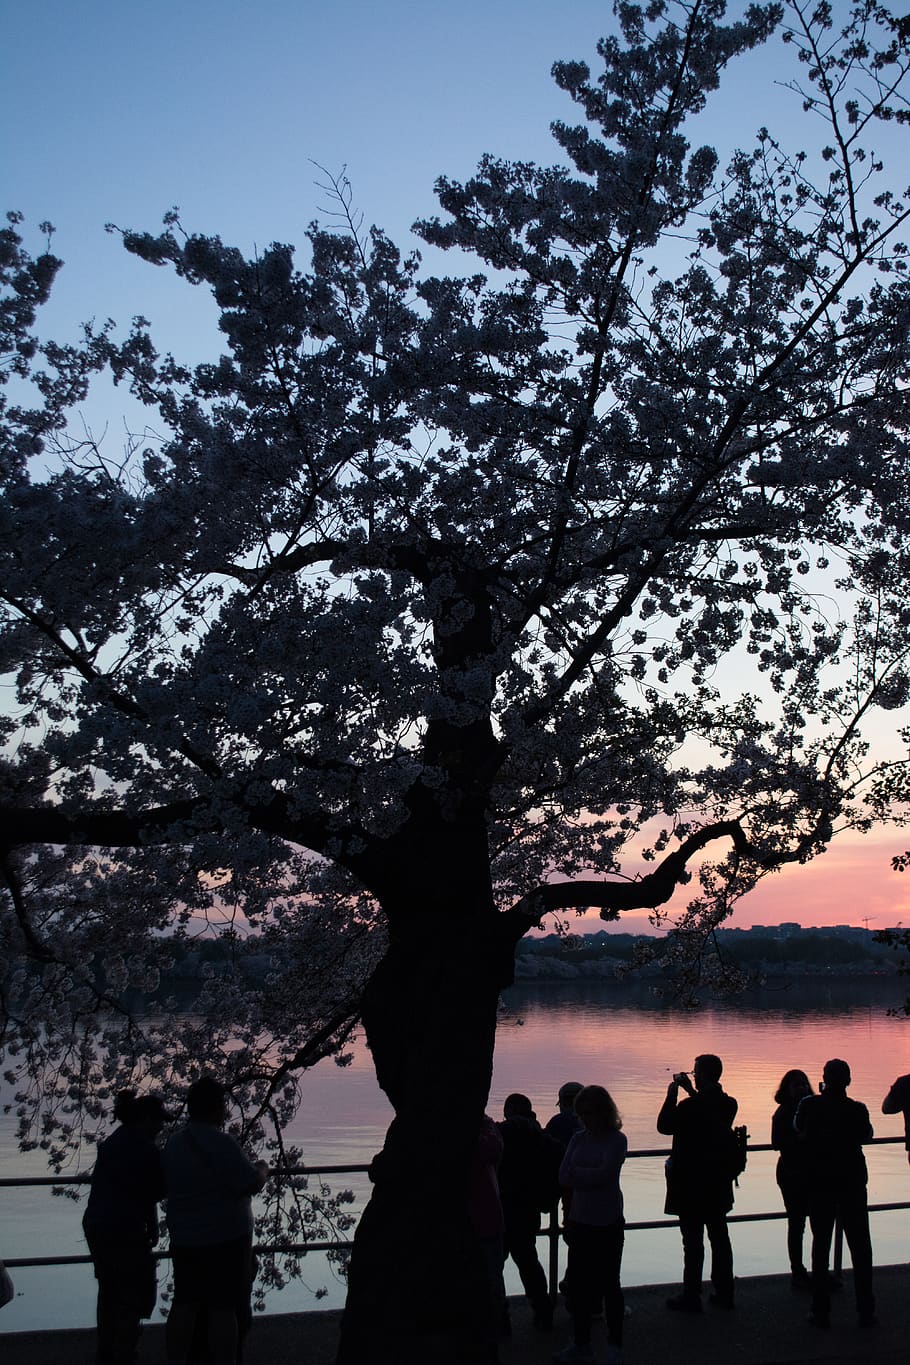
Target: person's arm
{"points": [[801, 1118], [897, 1101], [898, 1097], [153, 1183], [241, 1175], [865, 1125], [667, 1118], [489, 1143]]}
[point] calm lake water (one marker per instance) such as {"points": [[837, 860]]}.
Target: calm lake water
{"points": [[618, 1036]]}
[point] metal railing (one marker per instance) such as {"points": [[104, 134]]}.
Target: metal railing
{"points": [[551, 1229]]}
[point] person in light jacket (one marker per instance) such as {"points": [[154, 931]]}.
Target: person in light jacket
{"points": [[209, 1182], [595, 1228]]}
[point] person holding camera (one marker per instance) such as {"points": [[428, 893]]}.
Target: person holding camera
{"points": [[699, 1180]]}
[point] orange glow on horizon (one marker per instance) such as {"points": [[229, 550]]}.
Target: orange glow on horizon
{"points": [[852, 883]]}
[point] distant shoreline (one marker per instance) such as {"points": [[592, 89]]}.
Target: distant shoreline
{"points": [[786, 952]]}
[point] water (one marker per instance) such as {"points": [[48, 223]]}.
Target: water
{"points": [[621, 1037]]}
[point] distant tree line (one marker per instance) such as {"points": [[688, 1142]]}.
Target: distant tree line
{"points": [[750, 952]]}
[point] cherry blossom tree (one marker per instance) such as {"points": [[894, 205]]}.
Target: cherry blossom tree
{"points": [[439, 604]]}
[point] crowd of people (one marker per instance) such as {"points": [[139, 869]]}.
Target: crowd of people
{"points": [[521, 1169], [821, 1172]]}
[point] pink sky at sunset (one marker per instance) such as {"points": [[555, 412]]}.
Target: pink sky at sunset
{"points": [[850, 884]]}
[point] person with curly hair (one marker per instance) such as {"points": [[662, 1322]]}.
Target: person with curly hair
{"points": [[595, 1228]]}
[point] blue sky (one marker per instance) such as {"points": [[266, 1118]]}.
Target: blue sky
{"points": [[114, 110]]}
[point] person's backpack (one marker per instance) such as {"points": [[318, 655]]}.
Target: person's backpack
{"points": [[737, 1151]]}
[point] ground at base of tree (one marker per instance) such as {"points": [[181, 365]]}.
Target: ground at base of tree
{"points": [[768, 1327]]}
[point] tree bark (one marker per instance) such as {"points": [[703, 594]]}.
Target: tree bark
{"points": [[417, 1290]]}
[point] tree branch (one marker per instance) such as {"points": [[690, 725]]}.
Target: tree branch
{"points": [[174, 823]]}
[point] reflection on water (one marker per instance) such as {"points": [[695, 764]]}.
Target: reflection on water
{"points": [[632, 1041], [621, 1036]]}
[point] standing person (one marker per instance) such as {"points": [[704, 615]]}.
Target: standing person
{"points": [[565, 1122], [528, 1185], [209, 1185], [897, 1101], [699, 1179], [792, 1169], [834, 1129], [563, 1126], [121, 1224], [595, 1228]]}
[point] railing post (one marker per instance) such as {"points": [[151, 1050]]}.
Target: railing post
{"points": [[553, 1231], [838, 1248]]}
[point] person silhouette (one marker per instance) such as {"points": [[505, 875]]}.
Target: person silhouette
{"points": [[209, 1183], [121, 1224], [486, 1218], [563, 1126], [834, 1128], [528, 1185], [897, 1101], [699, 1183], [595, 1229], [792, 1169], [565, 1122]]}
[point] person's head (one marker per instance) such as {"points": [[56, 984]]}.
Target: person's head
{"points": [[125, 1106], [836, 1075], [141, 1111], [567, 1094], [595, 1108], [707, 1070], [151, 1114], [206, 1101], [518, 1107], [794, 1086]]}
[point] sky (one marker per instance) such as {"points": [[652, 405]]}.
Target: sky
{"points": [[115, 110], [852, 883]]}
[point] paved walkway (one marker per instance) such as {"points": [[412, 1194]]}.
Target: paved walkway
{"points": [[768, 1328]]}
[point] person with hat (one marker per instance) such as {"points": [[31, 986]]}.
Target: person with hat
{"points": [[565, 1123], [121, 1224]]}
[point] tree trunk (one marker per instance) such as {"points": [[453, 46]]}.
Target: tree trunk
{"points": [[417, 1290]]}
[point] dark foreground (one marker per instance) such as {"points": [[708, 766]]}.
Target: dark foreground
{"points": [[768, 1327]]}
